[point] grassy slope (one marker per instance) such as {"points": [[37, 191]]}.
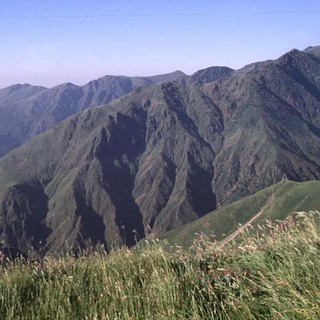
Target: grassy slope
{"points": [[276, 202], [271, 277]]}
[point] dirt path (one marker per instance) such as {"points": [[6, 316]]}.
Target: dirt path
{"points": [[233, 235]]}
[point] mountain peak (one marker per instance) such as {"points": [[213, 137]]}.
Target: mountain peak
{"points": [[313, 51], [312, 48], [294, 53], [210, 74]]}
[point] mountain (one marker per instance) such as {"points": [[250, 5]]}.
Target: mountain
{"points": [[273, 203], [210, 74], [271, 124], [26, 110], [163, 156], [95, 171]]}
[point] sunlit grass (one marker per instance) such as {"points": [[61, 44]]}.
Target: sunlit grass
{"points": [[273, 275]]}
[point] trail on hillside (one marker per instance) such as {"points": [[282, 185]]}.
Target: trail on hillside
{"points": [[233, 235]]}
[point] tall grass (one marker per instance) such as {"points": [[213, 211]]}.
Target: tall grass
{"points": [[271, 275]]}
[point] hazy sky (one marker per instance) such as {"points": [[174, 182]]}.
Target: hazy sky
{"points": [[50, 42]]}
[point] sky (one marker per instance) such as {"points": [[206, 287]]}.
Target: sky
{"points": [[52, 42]]}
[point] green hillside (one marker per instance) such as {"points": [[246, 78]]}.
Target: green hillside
{"points": [[273, 203]]}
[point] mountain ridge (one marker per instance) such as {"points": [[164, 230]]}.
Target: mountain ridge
{"points": [[38, 108]]}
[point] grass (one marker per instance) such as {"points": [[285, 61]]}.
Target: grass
{"points": [[272, 275], [276, 203]]}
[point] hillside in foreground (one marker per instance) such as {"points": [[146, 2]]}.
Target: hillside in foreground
{"points": [[273, 203], [274, 275]]}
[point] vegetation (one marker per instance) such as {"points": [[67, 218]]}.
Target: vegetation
{"points": [[272, 275], [273, 203]]}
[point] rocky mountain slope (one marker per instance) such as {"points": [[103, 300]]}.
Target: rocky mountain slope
{"points": [[26, 110], [163, 155]]}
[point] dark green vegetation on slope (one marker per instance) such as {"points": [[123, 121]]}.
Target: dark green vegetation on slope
{"points": [[271, 277], [163, 155], [273, 203]]}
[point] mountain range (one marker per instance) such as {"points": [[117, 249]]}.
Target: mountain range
{"points": [[163, 152], [26, 111]]}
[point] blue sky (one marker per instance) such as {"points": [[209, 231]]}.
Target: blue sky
{"points": [[51, 42]]}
